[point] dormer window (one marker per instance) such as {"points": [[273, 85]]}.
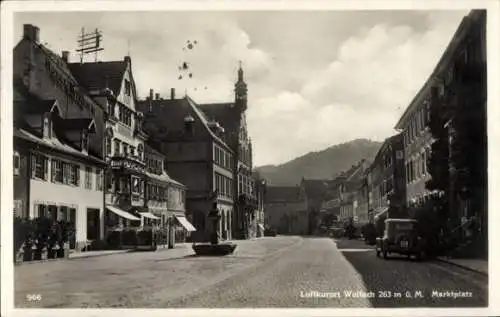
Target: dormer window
{"points": [[189, 124], [85, 140]]}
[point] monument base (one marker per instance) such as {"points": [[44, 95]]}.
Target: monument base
{"points": [[220, 249]]}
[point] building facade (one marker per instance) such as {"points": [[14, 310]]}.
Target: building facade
{"points": [[58, 149], [165, 200], [286, 210], [232, 117], [196, 156], [387, 181], [260, 194], [112, 86]]}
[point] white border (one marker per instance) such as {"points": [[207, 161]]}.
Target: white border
{"points": [[7, 43]]}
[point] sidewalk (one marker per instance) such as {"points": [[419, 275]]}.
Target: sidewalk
{"points": [[89, 254], [475, 265]]}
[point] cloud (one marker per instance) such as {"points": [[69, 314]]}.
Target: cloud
{"points": [[315, 78]]}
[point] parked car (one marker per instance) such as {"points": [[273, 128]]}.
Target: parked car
{"points": [[269, 232], [401, 237]]}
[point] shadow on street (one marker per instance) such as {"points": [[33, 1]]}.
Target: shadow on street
{"points": [[399, 282]]}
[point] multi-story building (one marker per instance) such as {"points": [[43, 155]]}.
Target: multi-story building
{"points": [[386, 182], [456, 85], [348, 184], [362, 202], [165, 198], [232, 117], [286, 210], [111, 84], [58, 149], [456, 92], [196, 155]]}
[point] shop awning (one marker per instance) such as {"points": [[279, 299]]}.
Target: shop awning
{"points": [[122, 213], [262, 227], [379, 212], [185, 223], [149, 215]]}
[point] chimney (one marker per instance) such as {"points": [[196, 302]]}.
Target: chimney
{"points": [[65, 56], [31, 32], [151, 93], [127, 59], [157, 96], [172, 93]]}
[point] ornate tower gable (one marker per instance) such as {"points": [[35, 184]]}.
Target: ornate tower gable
{"points": [[240, 91]]}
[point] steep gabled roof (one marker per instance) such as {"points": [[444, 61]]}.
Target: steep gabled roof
{"points": [[100, 75], [150, 149], [78, 124], [223, 113], [205, 121], [175, 109]]}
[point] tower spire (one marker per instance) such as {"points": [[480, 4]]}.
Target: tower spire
{"points": [[240, 90]]}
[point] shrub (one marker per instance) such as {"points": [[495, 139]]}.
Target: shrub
{"points": [[24, 233], [113, 239], [129, 236], [98, 245]]}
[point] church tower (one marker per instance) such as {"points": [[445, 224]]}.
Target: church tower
{"points": [[240, 91]]}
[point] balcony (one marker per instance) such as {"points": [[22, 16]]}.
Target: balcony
{"points": [[124, 198], [127, 162]]}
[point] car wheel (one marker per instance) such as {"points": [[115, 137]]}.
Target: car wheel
{"points": [[419, 256], [408, 256]]}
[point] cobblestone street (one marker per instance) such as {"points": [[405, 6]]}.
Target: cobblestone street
{"points": [[268, 272]]}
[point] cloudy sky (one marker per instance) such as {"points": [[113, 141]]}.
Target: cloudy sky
{"points": [[315, 78]]}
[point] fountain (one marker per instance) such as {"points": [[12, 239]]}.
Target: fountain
{"points": [[214, 248]]}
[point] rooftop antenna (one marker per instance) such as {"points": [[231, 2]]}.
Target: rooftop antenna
{"points": [[89, 43], [128, 47]]}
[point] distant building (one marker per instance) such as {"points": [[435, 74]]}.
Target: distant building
{"points": [[260, 193], [58, 149], [286, 210], [315, 191], [386, 180]]}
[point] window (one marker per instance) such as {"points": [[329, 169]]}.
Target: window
{"points": [[17, 163], [88, 177], [108, 146], [136, 187], [74, 178], [125, 149], [57, 171], [127, 87], [39, 166], [117, 147], [132, 151]]}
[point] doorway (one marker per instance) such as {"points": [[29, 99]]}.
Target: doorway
{"points": [[93, 224]]}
